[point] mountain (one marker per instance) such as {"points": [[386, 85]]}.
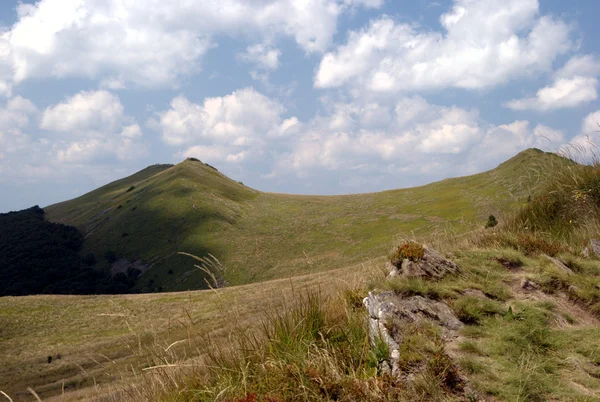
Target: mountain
{"points": [[142, 221]]}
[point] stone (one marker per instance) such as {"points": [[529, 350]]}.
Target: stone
{"points": [[529, 284], [592, 249], [432, 265], [558, 264], [389, 312], [474, 293]]}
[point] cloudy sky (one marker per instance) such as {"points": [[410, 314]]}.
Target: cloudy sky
{"points": [[300, 96]]}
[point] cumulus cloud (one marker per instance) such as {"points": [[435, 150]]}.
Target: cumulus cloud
{"points": [[484, 43], [574, 84], [151, 43], [80, 139], [224, 129], [98, 110], [91, 126], [251, 131]]}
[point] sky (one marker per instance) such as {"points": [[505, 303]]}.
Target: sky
{"points": [[294, 96]]}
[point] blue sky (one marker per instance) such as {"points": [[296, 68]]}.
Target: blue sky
{"points": [[314, 97]]}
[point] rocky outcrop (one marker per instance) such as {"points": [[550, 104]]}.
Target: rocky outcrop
{"points": [[389, 313], [592, 249], [432, 265]]}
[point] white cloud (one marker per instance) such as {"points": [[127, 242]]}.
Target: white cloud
{"points": [[238, 122], [91, 126], [584, 147], [15, 118], [263, 55], [379, 136], [484, 43], [98, 110], [574, 84], [150, 43], [17, 113]]}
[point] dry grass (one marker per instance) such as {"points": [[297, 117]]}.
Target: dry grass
{"points": [[110, 339]]}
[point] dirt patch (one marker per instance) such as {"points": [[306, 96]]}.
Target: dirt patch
{"points": [[510, 264], [123, 265], [566, 312]]}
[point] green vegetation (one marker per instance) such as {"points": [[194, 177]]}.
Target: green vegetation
{"points": [[43, 257], [193, 208], [492, 222], [530, 322]]}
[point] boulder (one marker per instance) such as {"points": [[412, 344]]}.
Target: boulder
{"points": [[389, 313], [432, 265]]}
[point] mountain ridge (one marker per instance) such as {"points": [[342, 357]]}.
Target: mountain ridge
{"points": [[147, 217]]}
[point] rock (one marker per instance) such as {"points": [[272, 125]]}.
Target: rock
{"points": [[592, 249], [432, 265], [389, 313], [529, 285], [558, 264], [475, 293]]}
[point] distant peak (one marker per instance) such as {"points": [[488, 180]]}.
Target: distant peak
{"points": [[196, 160]]}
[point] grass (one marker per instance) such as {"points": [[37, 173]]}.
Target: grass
{"points": [[305, 338], [108, 340], [262, 236]]}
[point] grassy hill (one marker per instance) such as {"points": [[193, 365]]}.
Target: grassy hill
{"points": [[530, 320], [146, 218]]}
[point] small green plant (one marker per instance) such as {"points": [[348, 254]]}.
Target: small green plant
{"points": [[408, 251], [472, 310], [491, 222]]}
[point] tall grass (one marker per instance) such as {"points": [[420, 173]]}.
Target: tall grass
{"points": [[568, 208]]}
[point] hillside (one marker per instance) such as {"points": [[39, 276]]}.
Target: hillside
{"points": [[524, 297], [145, 219]]}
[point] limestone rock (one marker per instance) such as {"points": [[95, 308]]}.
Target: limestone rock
{"points": [[432, 265], [389, 312]]}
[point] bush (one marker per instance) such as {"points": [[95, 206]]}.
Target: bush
{"points": [[531, 245], [410, 251], [130, 189], [491, 222]]}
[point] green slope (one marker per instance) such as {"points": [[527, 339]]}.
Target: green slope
{"points": [[192, 207]]}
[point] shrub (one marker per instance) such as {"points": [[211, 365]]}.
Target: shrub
{"points": [[130, 189], [531, 245], [491, 222], [410, 251]]}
